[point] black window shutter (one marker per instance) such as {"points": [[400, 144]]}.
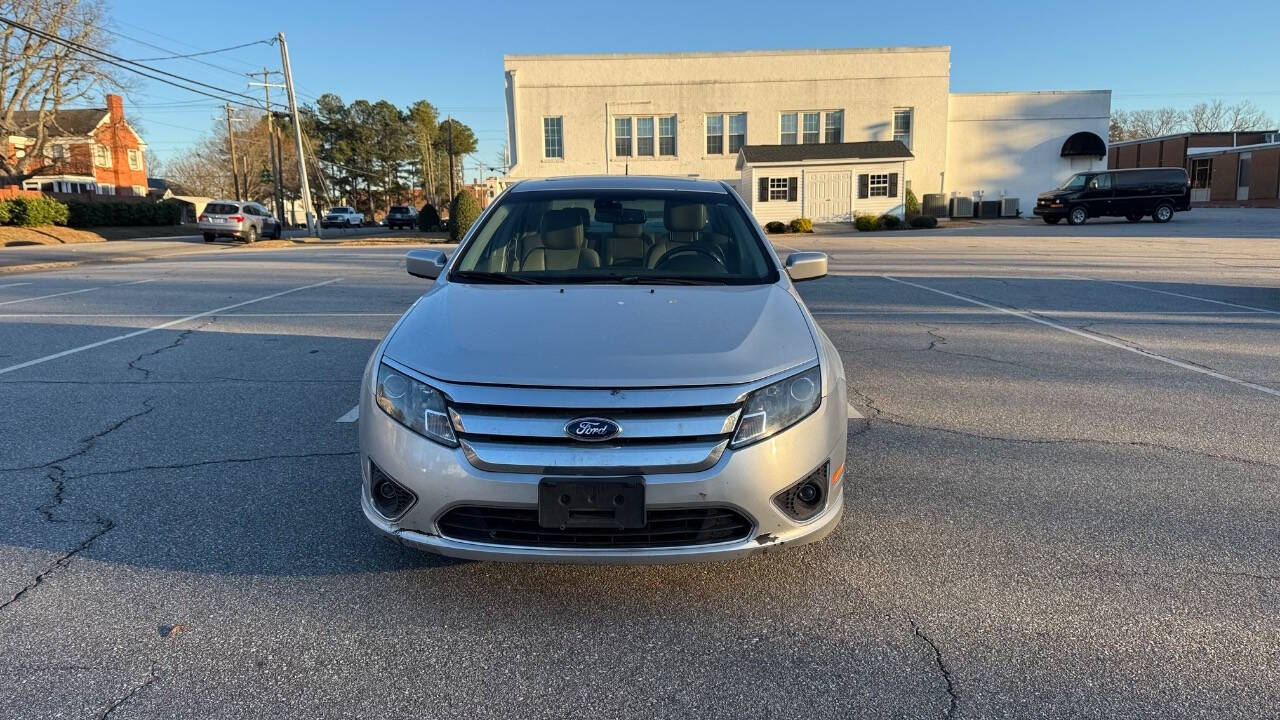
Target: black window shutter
{"points": [[864, 186], [764, 189], [791, 189], [893, 184]]}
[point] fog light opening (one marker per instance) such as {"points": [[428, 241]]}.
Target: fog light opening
{"points": [[805, 498], [390, 498]]}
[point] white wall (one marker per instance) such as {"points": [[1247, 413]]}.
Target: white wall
{"points": [[786, 211], [1011, 142]]}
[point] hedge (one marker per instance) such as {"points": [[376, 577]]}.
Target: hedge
{"points": [[890, 222], [912, 204], [32, 211], [802, 225], [924, 221], [104, 214], [428, 218], [866, 223], [463, 212], [775, 227]]}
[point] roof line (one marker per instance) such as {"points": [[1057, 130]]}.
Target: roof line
{"points": [[1118, 143], [731, 53]]}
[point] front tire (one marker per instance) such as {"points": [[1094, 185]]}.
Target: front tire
{"points": [[1077, 216], [1052, 219], [276, 234], [1134, 217], [1163, 213], [251, 235], [210, 237]]}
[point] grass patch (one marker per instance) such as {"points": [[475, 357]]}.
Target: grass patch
{"points": [[46, 235]]}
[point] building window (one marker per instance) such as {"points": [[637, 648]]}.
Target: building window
{"points": [[778, 188], [106, 189], [737, 132], [139, 191], [1200, 173], [644, 136], [622, 137], [135, 160], [715, 134], [57, 151], [902, 126], [667, 135], [101, 156], [788, 129], [834, 126], [811, 127], [879, 186], [1244, 170], [553, 137]]}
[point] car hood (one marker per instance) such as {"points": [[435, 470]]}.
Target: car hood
{"points": [[1055, 194], [602, 335]]}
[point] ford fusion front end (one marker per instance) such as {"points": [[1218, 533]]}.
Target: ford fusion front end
{"points": [[563, 395]]}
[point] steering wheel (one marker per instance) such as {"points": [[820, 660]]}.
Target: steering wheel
{"points": [[689, 250]]}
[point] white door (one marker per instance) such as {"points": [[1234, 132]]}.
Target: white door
{"points": [[826, 196]]}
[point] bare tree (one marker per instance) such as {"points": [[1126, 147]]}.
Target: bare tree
{"points": [[1245, 115], [1207, 117], [1154, 123], [38, 77]]}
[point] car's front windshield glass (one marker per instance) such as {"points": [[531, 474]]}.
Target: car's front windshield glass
{"points": [[616, 236], [1075, 182]]}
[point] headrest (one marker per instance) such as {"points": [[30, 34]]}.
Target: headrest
{"points": [[628, 230], [584, 217], [691, 217], [562, 229]]}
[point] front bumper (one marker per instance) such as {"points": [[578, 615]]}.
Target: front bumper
{"points": [[1049, 209], [745, 480]]}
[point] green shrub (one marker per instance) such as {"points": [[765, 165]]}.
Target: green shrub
{"points": [[463, 212], [105, 214], [32, 211], [924, 221], [890, 222], [912, 203], [774, 227], [866, 223], [428, 218], [4, 212], [802, 225]]}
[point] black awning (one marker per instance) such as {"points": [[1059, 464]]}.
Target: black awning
{"points": [[1084, 143]]}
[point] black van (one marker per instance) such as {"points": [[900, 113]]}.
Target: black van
{"points": [[1132, 194]]}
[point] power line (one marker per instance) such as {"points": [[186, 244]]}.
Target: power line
{"points": [[174, 52], [271, 41], [111, 59]]}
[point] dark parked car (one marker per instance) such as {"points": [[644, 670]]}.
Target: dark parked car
{"points": [[1132, 194], [402, 216]]}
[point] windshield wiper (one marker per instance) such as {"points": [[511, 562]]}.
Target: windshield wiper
{"points": [[490, 277], [643, 280]]}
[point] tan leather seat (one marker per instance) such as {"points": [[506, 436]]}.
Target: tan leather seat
{"points": [[684, 223], [627, 246], [562, 248]]}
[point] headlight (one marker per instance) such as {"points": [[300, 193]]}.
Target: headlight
{"points": [[415, 405], [776, 407]]}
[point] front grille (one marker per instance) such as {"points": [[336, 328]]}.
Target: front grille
{"points": [[666, 527]]}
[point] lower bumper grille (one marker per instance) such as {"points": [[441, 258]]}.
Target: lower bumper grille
{"points": [[668, 527]]}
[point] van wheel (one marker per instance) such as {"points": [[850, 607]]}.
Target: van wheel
{"points": [[1052, 219], [1163, 213], [210, 237], [251, 235], [1077, 216], [275, 235], [1134, 217]]}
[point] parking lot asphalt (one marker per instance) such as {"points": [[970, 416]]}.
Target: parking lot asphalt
{"points": [[1063, 500]]}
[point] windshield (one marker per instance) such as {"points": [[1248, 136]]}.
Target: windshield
{"points": [[338, 211], [1075, 182], [221, 209], [615, 236], [399, 210]]}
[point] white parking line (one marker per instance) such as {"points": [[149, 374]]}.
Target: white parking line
{"points": [[1250, 308], [351, 415], [162, 315], [73, 292], [161, 326], [6, 285], [1096, 338], [853, 412]]}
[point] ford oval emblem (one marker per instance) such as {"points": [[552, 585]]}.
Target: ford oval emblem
{"points": [[592, 429]]}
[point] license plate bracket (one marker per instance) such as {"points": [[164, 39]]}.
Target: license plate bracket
{"points": [[609, 503]]}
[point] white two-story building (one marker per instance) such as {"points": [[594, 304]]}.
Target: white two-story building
{"points": [[885, 118]]}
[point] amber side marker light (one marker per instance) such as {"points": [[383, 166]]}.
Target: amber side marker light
{"points": [[835, 476]]}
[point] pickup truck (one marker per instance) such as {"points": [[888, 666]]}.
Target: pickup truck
{"points": [[342, 216]]}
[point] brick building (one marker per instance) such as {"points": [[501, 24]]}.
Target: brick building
{"points": [[88, 151], [1227, 168]]}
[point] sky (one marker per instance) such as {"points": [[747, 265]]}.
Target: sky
{"points": [[450, 53]]}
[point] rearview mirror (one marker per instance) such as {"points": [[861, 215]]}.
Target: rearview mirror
{"points": [[806, 265], [425, 263]]}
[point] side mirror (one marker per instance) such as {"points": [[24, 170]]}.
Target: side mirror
{"points": [[806, 265], [425, 263]]}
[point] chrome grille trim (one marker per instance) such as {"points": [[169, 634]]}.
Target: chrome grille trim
{"points": [[473, 420], [592, 459]]}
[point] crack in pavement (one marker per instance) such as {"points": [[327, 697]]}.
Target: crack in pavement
{"points": [[153, 676], [177, 342], [936, 338], [220, 461], [953, 697]]}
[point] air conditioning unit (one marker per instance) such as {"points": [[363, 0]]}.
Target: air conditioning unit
{"points": [[1008, 207], [961, 207], [934, 205], [987, 209]]}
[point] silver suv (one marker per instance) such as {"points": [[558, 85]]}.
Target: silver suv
{"points": [[245, 221], [609, 369]]}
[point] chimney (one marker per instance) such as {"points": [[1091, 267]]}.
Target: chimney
{"points": [[115, 106]]}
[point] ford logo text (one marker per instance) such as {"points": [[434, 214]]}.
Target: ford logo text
{"points": [[592, 429]]}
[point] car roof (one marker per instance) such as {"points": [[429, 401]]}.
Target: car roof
{"points": [[1124, 170], [225, 202], [619, 182]]}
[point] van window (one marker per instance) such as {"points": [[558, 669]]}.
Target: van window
{"points": [[1075, 182], [1100, 182]]}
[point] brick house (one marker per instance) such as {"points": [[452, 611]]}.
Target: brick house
{"points": [[88, 151], [1227, 169]]}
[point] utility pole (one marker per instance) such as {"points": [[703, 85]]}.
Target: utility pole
{"points": [[297, 135], [451, 192], [276, 161], [231, 141]]}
